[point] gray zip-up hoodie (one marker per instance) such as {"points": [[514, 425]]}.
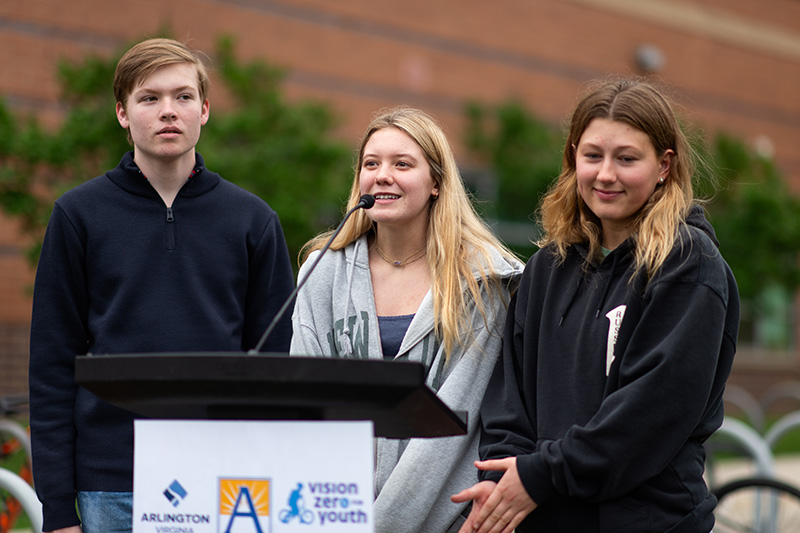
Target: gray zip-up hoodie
{"points": [[335, 316]]}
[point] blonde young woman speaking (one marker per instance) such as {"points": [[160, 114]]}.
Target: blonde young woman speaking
{"points": [[418, 277]]}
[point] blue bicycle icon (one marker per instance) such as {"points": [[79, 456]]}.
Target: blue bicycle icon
{"points": [[296, 508]]}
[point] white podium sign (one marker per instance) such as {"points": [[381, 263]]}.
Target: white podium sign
{"points": [[252, 476]]}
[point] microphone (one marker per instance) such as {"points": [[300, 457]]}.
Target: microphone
{"points": [[365, 202]]}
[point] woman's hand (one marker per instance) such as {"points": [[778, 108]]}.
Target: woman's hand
{"points": [[72, 529], [497, 508]]}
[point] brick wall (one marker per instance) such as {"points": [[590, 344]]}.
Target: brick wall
{"points": [[16, 282], [735, 65], [14, 359]]}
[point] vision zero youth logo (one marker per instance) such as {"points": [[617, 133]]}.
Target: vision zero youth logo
{"points": [[329, 503]]}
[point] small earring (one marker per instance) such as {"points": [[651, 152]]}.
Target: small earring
{"points": [[661, 179]]}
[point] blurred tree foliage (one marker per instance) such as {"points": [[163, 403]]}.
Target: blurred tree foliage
{"points": [[284, 152], [755, 215], [523, 153], [37, 165], [757, 220]]}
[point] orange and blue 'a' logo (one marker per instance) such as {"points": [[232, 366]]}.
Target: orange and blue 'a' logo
{"points": [[244, 506]]}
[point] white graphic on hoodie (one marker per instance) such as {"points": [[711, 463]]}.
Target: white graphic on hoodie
{"points": [[614, 322]]}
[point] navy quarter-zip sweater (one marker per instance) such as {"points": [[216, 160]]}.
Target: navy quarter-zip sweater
{"points": [[121, 273], [606, 390]]}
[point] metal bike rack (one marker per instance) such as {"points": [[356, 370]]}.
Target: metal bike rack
{"points": [[785, 424], [785, 390], [18, 432], [747, 403], [753, 443], [25, 495], [14, 484]]}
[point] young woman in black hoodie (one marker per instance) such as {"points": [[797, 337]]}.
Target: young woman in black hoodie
{"points": [[618, 343]]}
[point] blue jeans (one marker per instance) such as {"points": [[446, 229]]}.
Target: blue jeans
{"points": [[106, 512]]}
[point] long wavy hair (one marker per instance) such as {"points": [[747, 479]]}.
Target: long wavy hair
{"points": [[458, 241], [567, 220]]}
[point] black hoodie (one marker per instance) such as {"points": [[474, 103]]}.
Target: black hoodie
{"points": [[608, 388], [122, 273]]}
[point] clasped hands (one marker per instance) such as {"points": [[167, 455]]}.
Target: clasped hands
{"points": [[496, 507]]}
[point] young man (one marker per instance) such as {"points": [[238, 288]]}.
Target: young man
{"points": [[157, 255]]}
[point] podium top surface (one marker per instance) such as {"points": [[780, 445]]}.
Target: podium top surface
{"points": [[236, 385]]}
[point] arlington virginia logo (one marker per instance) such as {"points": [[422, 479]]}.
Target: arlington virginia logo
{"points": [[175, 493], [244, 506]]}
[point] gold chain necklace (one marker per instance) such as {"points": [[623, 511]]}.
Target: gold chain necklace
{"points": [[419, 254]]}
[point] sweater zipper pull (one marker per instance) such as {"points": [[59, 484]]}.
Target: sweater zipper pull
{"points": [[170, 218]]}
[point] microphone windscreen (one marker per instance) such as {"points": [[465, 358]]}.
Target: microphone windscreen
{"points": [[367, 201]]}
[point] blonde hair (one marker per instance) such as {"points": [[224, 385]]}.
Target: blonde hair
{"points": [[565, 218], [457, 238], [144, 58]]}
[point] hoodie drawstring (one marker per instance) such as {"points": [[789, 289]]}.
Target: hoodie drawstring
{"points": [[345, 343], [571, 299], [614, 258]]}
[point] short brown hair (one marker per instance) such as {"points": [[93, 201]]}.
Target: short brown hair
{"points": [[148, 56]]}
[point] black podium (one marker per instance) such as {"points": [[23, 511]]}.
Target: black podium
{"points": [[240, 386]]}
